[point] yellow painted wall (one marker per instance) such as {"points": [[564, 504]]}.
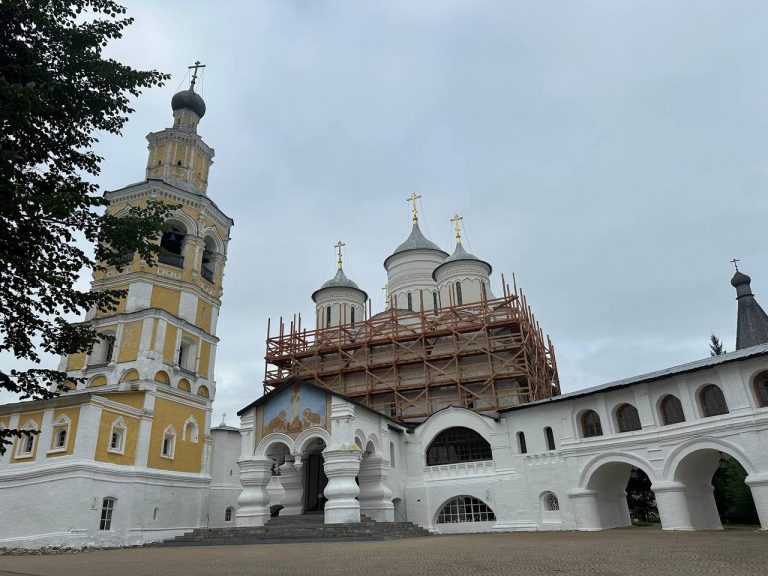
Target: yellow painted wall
{"points": [[99, 380], [165, 299], [203, 319], [129, 342], [133, 399], [184, 385], [205, 357], [169, 348], [128, 458], [154, 334], [188, 456], [76, 361], [37, 417], [73, 414]]}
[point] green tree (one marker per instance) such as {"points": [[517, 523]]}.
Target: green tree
{"points": [[716, 346], [732, 495], [57, 93]]}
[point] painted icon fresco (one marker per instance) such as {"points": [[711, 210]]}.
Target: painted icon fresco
{"points": [[295, 409]]}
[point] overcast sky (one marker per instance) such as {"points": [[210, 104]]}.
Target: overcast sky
{"points": [[613, 155]]}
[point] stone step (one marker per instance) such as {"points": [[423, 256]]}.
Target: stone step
{"points": [[307, 528]]}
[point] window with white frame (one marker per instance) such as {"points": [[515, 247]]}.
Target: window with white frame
{"points": [[107, 509], [169, 442], [60, 434], [26, 444], [117, 436], [465, 509], [191, 431]]}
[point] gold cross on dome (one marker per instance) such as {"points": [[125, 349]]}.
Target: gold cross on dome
{"points": [[196, 66], [457, 223], [735, 262], [412, 198], [339, 246]]}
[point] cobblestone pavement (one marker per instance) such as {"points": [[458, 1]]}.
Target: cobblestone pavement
{"points": [[635, 552]]}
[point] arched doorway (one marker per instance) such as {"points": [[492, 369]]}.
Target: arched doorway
{"points": [[713, 484], [621, 494], [314, 479]]}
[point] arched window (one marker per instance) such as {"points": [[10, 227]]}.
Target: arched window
{"points": [[106, 349], [208, 264], [458, 445], [521, 443], [410, 301], [228, 514], [434, 300], [191, 430], [761, 389], [184, 384], [590, 424], [26, 444], [483, 293], [117, 436], [60, 439], [712, 401], [671, 410], [627, 418], [550, 502], [550, 437], [327, 316], [107, 508], [459, 299], [352, 315], [154, 513], [169, 443], [465, 509], [392, 454], [172, 242]]}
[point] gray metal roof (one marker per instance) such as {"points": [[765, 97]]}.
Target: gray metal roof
{"points": [[752, 352], [189, 99], [752, 322], [459, 254], [340, 280], [415, 241]]}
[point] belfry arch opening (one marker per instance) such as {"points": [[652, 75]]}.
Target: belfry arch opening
{"points": [[715, 490], [208, 263], [173, 242]]}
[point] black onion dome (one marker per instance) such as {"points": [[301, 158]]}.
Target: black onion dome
{"points": [[190, 100], [740, 278]]}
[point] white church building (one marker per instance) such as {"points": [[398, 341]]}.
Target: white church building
{"points": [[443, 410]]}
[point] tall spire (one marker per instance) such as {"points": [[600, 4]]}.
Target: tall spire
{"points": [[752, 322]]}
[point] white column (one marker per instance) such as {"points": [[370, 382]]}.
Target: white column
{"points": [[673, 506], [253, 502], [585, 509], [342, 466], [290, 478], [375, 496], [758, 484]]}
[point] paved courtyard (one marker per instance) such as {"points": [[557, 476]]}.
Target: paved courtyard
{"points": [[636, 552]]}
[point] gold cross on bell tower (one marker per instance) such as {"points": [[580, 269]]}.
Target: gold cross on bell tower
{"points": [[339, 245], [457, 223], [412, 198], [196, 66]]}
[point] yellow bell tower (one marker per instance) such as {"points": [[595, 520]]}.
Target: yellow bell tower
{"points": [[165, 329]]}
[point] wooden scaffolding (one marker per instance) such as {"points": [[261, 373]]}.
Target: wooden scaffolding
{"points": [[484, 356]]}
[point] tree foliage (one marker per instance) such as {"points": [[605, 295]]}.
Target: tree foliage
{"points": [[716, 346], [732, 495], [57, 94]]}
